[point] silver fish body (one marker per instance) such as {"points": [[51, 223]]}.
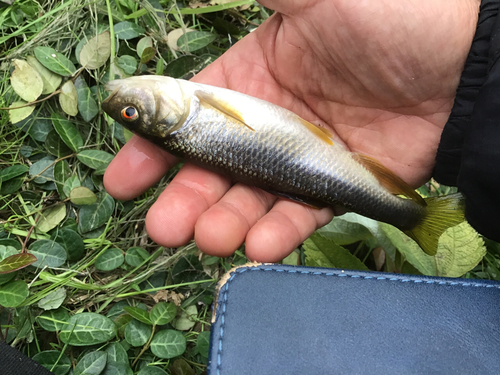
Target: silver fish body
{"points": [[257, 143]]}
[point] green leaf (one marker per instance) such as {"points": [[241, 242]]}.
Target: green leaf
{"points": [[168, 343], [54, 61], [196, 40], [71, 183], [18, 114], [53, 320], [135, 256], [137, 333], [86, 103], [186, 320], [163, 313], [61, 173], [40, 128], [96, 51], [91, 364], [147, 55], [351, 227], [109, 260], [7, 250], [144, 43], [53, 360], [460, 249], [26, 81], [67, 131], [95, 159], [71, 242], [53, 300], [152, 370], [13, 171], [13, 294], [68, 98], [322, 252], [11, 186], [203, 343], [82, 196], [55, 145], [86, 329], [127, 63], [16, 262], [117, 368], [48, 253], [51, 217], [181, 367], [51, 81], [128, 30], [116, 353], [183, 66], [47, 166], [138, 314], [96, 214]]}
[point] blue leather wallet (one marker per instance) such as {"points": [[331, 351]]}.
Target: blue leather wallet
{"points": [[275, 319]]}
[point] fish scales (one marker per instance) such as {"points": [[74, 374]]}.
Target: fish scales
{"points": [[294, 164]]}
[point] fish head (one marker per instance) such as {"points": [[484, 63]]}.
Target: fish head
{"points": [[150, 106]]}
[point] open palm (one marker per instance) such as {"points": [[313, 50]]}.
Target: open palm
{"points": [[381, 75]]}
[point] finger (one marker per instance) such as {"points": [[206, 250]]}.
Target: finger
{"points": [[170, 221], [138, 166], [284, 228], [223, 228]]}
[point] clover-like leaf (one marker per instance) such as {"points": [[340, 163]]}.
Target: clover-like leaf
{"points": [[128, 30], [13, 294], [86, 329], [109, 259], [48, 253], [96, 51], [53, 300], [91, 364], [54, 61], [51, 80], [26, 81], [18, 111], [86, 103], [168, 343], [163, 313], [68, 98], [53, 320], [67, 131], [53, 360], [137, 333], [51, 217], [196, 40]]}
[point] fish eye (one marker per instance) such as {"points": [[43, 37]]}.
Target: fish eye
{"points": [[130, 113]]}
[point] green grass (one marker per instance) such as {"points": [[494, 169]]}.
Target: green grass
{"points": [[47, 164]]}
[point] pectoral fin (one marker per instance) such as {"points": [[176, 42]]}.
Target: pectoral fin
{"points": [[222, 106]]}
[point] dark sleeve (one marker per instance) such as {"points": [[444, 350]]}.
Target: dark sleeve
{"points": [[469, 151]]}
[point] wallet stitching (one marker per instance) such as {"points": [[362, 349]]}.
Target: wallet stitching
{"points": [[341, 274]]}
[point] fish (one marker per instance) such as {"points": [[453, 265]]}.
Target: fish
{"points": [[264, 145]]}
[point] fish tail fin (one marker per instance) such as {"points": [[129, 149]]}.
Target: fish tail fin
{"points": [[442, 213]]}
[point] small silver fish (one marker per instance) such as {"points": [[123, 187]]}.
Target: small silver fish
{"points": [[264, 145]]}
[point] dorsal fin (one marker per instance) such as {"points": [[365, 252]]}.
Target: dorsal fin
{"points": [[388, 179], [226, 108], [320, 132]]}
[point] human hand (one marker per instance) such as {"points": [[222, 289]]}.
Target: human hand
{"points": [[381, 75]]}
